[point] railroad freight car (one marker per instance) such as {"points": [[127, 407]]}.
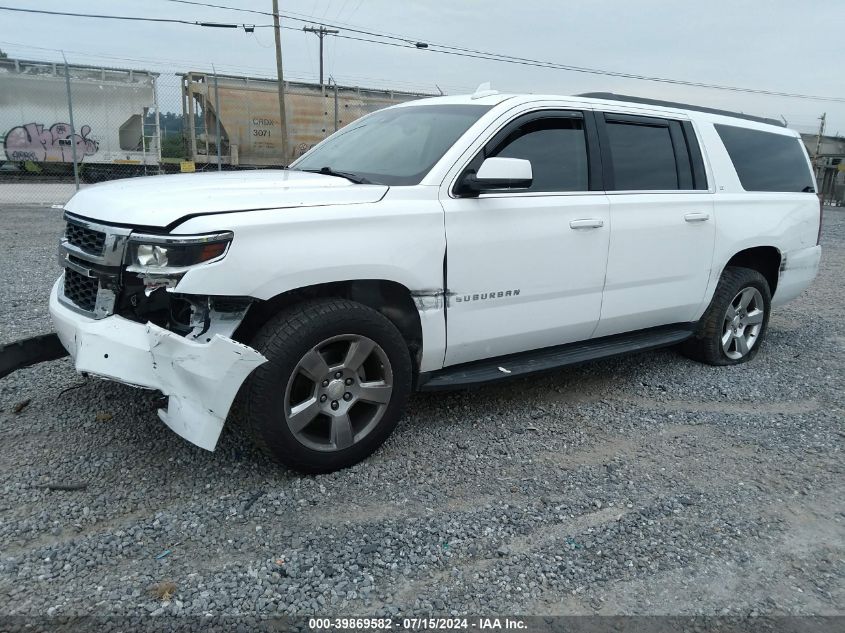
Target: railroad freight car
{"points": [[248, 111], [114, 132]]}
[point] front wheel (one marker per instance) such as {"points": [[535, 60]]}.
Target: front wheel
{"points": [[337, 381], [734, 325]]}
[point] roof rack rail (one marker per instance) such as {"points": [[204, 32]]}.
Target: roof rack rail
{"points": [[612, 96]]}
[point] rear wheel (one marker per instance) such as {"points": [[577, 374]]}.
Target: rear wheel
{"points": [[337, 381], [734, 325]]}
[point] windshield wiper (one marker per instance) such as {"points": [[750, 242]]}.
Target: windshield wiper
{"points": [[328, 171]]}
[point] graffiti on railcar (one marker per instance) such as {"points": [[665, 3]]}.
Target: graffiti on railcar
{"points": [[34, 142], [302, 148]]}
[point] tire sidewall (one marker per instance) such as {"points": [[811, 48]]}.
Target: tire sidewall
{"points": [[746, 278], [266, 394]]}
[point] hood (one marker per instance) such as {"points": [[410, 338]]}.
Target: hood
{"points": [[160, 201]]}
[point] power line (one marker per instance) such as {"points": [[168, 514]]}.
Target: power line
{"points": [[410, 42], [300, 17], [144, 60], [340, 11], [352, 10], [221, 6], [553, 66], [224, 25], [445, 49], [258, 71]]}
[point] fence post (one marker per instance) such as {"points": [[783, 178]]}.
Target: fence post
{"points": [[72, 128], [217, 119], [331, 79], [158, 124]]}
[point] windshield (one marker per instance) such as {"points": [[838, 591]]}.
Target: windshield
{"points": [[397, 146]]}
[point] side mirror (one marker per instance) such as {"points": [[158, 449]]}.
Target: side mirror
{"points": [[497, 174]]}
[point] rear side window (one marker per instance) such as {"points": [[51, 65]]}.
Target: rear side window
{"points": [[651, 154], [767, 162], [643, 156]]}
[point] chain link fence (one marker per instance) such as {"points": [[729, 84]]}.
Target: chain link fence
{"points": [[65, 125]]}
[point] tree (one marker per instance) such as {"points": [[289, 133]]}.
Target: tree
{"points": [[2, 54]]}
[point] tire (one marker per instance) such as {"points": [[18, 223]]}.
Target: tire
{"points": [[722, 340], [338, 379]]}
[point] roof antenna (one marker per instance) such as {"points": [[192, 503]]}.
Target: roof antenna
{"points": [[483, 90]]}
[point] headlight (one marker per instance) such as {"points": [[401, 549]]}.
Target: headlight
{"points": [[174, 253]]}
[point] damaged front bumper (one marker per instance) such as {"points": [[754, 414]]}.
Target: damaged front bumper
{"points": [[200, 379]]}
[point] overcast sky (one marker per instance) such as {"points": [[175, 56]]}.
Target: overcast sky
{"points": [[769, 45]]}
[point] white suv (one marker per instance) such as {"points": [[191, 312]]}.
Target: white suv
{"points": [[436, 244]]}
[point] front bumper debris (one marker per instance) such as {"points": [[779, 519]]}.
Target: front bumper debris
{"points": [[201, 379], [30, 351]]}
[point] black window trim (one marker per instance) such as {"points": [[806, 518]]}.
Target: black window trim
{"points": [[595, 172], [683, 166], [689, 163], [699, 173]]}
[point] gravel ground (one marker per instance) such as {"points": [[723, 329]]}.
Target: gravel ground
{"points": [[642, 485]]}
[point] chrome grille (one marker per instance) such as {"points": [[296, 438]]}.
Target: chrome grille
{"points": [[81, 290], [92, 256], [86, 239]]}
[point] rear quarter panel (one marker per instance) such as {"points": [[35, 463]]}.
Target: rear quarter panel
{"points": [[745, 219]]}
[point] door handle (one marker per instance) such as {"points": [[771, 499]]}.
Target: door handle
{"points": [[697, 217], [587, 223]]}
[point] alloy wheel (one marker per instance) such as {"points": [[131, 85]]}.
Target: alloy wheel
{"points": [[743, 323], [338, 392]]}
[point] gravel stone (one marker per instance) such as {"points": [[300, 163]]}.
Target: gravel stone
{"points": [[641, 485]]}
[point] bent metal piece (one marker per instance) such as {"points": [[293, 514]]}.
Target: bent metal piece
{"points": [[201, 379], [30, 351]]}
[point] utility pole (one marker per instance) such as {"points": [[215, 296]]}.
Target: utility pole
{"points": [[72, 128], [218, 141], [321, 33], [822, 119], [283, 125]]}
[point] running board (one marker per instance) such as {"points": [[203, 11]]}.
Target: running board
{"points": [[549, 358]]}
